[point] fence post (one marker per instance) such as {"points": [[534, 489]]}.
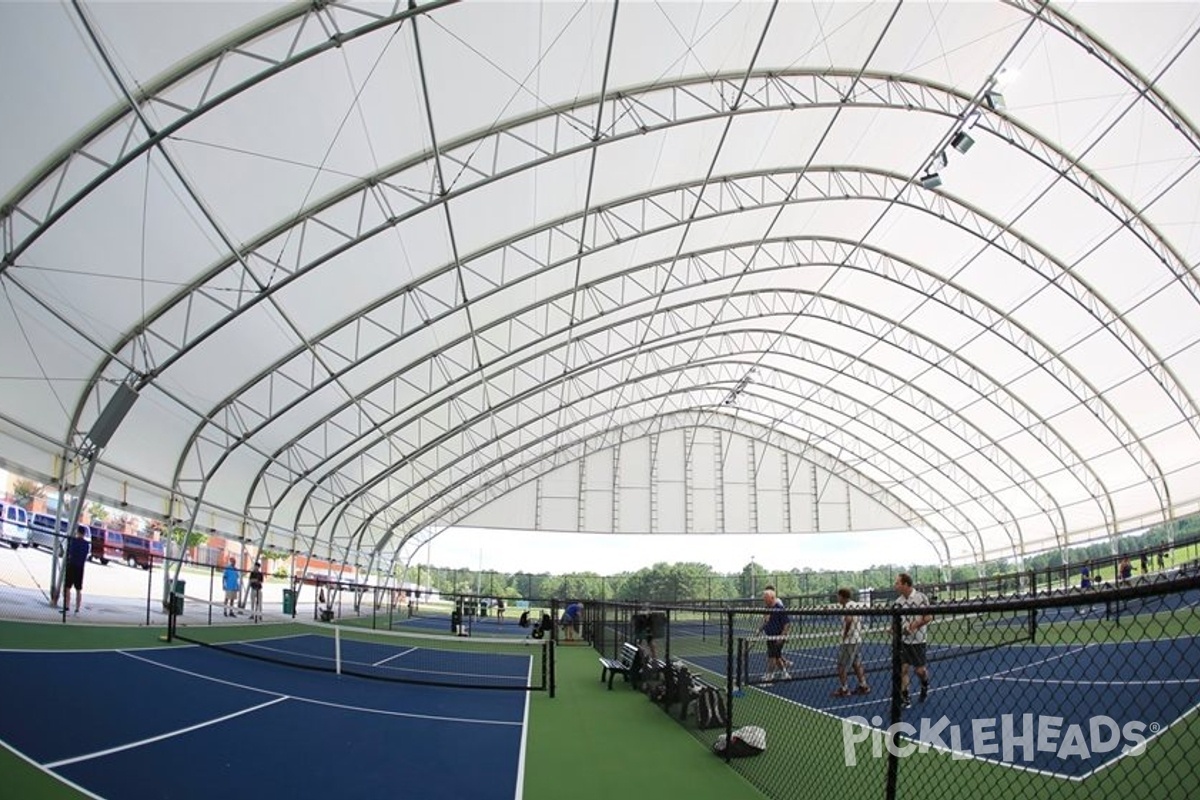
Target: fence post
{"points": [[893, 760]]}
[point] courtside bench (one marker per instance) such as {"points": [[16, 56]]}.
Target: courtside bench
{"points": [[621, 665]]}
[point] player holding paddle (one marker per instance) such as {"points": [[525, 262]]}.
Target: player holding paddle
{"points": [[774, 627]]}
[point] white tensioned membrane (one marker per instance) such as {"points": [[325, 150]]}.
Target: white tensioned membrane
{"points": [[505, 663], [381, 269]]}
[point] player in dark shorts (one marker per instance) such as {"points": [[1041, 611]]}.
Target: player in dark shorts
{"points": [[774, 626], [77, 555], [912, 646]]}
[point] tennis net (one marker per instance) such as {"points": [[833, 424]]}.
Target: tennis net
{"points": [[429, 659]]}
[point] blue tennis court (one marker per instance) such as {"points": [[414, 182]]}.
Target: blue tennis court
{"points": [[1063, 710], [191, 722]]}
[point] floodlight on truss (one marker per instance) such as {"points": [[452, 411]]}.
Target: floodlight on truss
{"points": [[931, 180], [994, 100], [962, 142]]}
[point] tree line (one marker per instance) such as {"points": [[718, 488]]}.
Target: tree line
{"points": [[691, 581]]}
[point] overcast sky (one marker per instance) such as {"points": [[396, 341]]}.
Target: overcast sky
{"points": [[607, 554]]}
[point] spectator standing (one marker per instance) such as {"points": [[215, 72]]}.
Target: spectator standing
{"points": [[256, 585], [231, 583]]}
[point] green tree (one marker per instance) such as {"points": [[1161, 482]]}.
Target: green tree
{"points": [[98, 513], [25, 492], [181, 538]]}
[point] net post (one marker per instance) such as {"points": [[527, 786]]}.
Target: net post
{"points": [[337, 648], [548, 651]]}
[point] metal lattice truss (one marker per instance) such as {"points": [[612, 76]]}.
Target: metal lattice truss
{"points": [[377, 270]]}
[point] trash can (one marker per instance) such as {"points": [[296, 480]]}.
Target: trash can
{"points": [[177, 596], [289, 601]]}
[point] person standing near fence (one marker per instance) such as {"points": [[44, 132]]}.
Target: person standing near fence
{"points": [[912, 638], [848, 654], [774, 627], [571, 618], [256, 584], [77, 556], [231, 583]]}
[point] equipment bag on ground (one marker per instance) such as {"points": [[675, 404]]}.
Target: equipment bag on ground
{"points": [[749, 740]]}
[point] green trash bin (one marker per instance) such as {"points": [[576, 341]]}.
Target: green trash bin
{"points": [[177, 596], [289, 601]]}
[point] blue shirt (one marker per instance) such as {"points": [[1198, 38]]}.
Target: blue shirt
{"points": [[229, 580], [573, 611], [777, 619], [77, 551]]}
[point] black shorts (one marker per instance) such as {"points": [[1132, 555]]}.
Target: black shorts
{"points": [[774, 648], [912, 654], [73, 578]]}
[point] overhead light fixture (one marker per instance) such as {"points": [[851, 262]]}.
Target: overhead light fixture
{"points": [[931, 180], [940, 161], [994, 100], [962, 142]]}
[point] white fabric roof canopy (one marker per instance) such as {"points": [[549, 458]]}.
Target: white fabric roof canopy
{"points": [[375, 271]]}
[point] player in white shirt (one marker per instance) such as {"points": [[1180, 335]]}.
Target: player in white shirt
{"points": [[848, 653], [912, 646]]}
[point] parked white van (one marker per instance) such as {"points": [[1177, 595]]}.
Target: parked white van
{"points": [[14, 525]]}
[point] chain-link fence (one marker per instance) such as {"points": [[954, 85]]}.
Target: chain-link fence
{"points": [[1063, 693]]}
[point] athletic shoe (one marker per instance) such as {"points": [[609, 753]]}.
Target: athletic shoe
{"points": [[785, 676], [863, 690], [843, 692], [924, 692]]}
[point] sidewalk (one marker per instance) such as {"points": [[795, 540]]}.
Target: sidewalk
{"points": [[113, 594]]}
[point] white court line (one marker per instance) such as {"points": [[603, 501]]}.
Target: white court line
{"points": [[52, 775], [326, 703], [1161, 682], [520, 792], [398, 655], [162, 736], [976, 679]]}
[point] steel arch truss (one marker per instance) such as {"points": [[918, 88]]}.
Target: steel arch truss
{"points": [[382, 201]]}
